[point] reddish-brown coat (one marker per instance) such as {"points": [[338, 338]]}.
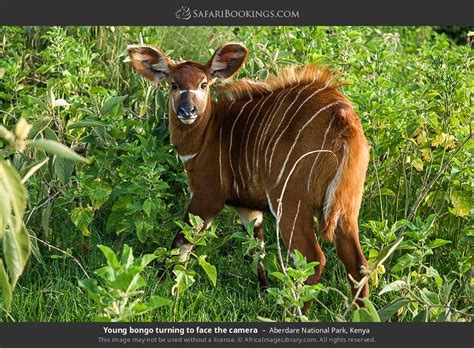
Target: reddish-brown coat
{"points": [[292, 145]]}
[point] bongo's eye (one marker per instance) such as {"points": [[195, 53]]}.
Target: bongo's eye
{"points": [[204, 85], [174, 86]]}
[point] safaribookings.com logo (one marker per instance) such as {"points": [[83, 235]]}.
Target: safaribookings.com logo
{"points": [[186, 13]]}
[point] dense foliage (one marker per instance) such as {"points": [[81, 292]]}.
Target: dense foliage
{"points": [[412, 88]]}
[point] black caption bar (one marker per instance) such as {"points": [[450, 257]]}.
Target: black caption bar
{"points": [[103, 335], [242, 12]]}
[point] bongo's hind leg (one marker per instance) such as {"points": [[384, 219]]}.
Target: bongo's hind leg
{"points": [[349, 251], [296, 226]]}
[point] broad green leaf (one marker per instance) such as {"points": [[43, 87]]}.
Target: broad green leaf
{"points": [[394, 286], [63, 169], [5, 286], [102, 319], [126, 259], [429, 296], [46, 217], [87, 124], [407, 260], [49, 134], [384, 191], [35, 248], [139, 221], [33, 169], [5, 210], [110, 103], [38, 126], [371, 309], [385, 252], [16, 250], [147, 207], [140, 308], [91, 287], [438, 242], [146, 259], [14, 194], [368, 314], [158, 301], [110, 256], [82, 218], [58, 149], [184, 279], [387, 312], [422, 316], [209, 269], [98, 193]]}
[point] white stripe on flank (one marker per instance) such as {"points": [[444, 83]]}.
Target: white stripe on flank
{"points": [[334, 184], [220, 155], [267, 124], [242, 141], [317, 157], [288, 124], [262, 126], [250, 132], [231, 137], [283, 118], [298, 136]]}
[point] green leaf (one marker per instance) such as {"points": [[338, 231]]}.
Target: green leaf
{"points": [[82, 218], [5, 210], [146, 259], [422, 316], [368, 314], [438, 242], [91, 287], [14, 197], [16, 250], [389, 249], [209, 269], [384, 191], [147, 207], [6, 288], [33, 169], [46, 217], [140, 308], [58, 149], [158, 301], [110, 103], [63, 169], [463, 203], [394, 286], [429, 296], [371, 309], [184, 279], [126, 259], [98, 193], [87, 124], [110, 256], [407, 260], [387, 312], [39, 126]]}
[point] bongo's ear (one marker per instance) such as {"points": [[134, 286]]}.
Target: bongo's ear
{"points": [[151, 62], [227, 60]]}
